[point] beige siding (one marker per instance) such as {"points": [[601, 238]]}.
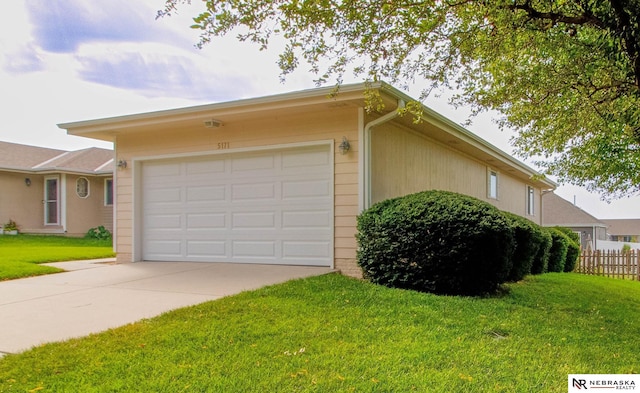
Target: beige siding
{"points": [[330, 124], [85, 213], [404, 162], [22, 203]]}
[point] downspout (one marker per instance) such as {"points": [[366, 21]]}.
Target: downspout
{"points": [[366, 201]]}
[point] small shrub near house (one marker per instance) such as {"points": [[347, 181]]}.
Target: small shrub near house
{"points": [[98, 233], [436, 241]]}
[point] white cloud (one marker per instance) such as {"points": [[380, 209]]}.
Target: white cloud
{"points": [[70, 60]]}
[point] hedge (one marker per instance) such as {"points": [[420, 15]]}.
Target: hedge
{"points": [[541, 260], [527, 245], [436, 241], [558, 253], [573, 248]]}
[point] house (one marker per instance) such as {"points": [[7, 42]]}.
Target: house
{"points": [[557, 211], [281, 179], [50, 191], [623, 230]]}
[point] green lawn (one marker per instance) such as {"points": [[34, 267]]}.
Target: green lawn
{"points": [[336, 334], [21, 255]]}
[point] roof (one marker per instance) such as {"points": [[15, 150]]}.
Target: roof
{"points": [[32, 159], [621, 227], [558, 211], [434, 124]]}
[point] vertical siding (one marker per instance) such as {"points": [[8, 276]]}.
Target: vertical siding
{"points": [[329, 124], [405, 162]]}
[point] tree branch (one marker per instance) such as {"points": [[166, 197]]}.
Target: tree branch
{"points": [[554, 17]]}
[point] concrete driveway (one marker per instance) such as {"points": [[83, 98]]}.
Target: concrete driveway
{"points": [[94, 296]]}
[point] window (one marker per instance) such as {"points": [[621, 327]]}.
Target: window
{"points": [[530, 201], [82, 187], [108, 192], [493, 185]]}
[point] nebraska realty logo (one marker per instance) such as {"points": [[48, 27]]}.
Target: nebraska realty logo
{"points": [[582, 382]]}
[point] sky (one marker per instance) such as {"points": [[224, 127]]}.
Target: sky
{"points": [[70, 60]]}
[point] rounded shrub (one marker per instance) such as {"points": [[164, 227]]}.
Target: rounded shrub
{"points": [[528, 239], [541, 260], [436, 241], [558, 252], [573, 248]]}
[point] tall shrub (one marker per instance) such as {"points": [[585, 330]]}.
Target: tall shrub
{"points": [[558, 253], [541, 260], [528, 242], [436, 241], [573, 248]]}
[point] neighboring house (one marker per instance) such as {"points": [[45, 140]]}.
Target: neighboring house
{"points": [[623, 230], [557, 211], [52, 191], [281, 179]]}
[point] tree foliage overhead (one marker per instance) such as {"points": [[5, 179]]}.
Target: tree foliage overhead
{"points": [[565, 74]]}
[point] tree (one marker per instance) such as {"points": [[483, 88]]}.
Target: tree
{"points": [[564, 74]]}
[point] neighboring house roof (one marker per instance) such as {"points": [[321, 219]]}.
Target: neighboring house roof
{"points": [[445, 130], [23, 158], [558, 211], [621, 227]]}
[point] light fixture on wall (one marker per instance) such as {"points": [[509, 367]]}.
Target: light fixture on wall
{"points": [[213, 123], [27, 181], [344, 146], [122, 164]]}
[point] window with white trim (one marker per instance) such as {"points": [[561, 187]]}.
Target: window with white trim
{"points": [[108, 192], [492, 184], [82, 187]]}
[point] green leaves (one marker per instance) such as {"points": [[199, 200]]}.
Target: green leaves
{"points": [[565, 74]]}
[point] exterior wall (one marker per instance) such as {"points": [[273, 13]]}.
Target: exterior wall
{"points": [[255, 132], [22, 203], [86, 213], [404, 162]]}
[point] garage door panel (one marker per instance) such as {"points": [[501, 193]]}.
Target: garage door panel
{"points": [[254, 220], [306, 158], [253, 191], [205, 167], [266, 207], [262, 249], [162, 171], [254, 164], [164, 248], [165, 195], [164, 221], [306, 249], [306, 220], [206, 248], [306, 189], [202, 221], [206, 193]]}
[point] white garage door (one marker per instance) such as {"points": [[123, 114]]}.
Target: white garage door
{"points": [[263, 207]]}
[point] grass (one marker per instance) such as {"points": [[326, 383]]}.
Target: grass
{"points": [[334, 334], [21, 255]]}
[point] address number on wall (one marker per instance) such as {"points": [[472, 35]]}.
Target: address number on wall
{"points": [[223, 145]]}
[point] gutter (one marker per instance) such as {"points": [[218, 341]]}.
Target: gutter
{"points": [[366, 196]]}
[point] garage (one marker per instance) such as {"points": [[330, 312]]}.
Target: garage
{"points": [[266, 206]]}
